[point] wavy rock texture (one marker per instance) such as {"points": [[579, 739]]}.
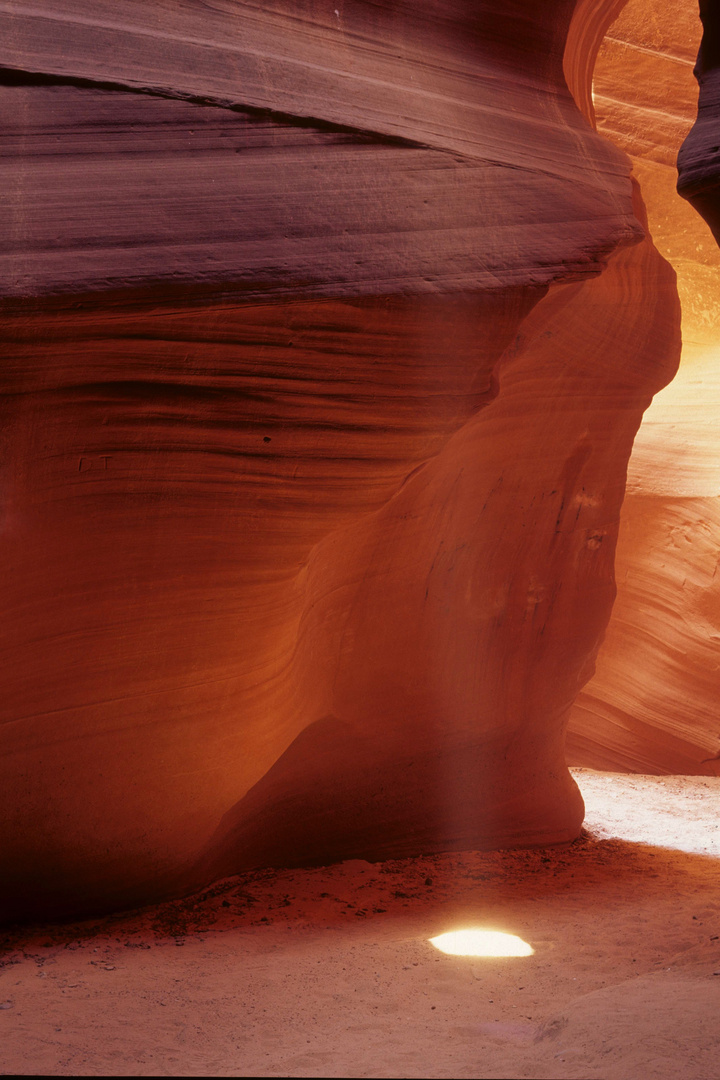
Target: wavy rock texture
{"points": [[474, 600], [652, 705], [311, 486], [398, 124]]}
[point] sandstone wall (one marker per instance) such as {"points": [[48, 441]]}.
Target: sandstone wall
{"points": [[326, 338], [652, 706]]}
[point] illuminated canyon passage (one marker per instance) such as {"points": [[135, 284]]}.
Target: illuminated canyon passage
{"points": [[332, 532]]}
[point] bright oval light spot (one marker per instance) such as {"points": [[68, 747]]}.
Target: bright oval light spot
{"points": [[481, 943]]}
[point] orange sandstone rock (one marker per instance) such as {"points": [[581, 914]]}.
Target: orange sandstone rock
{"points": [[462, 618], [318, 405], [652, 705]]}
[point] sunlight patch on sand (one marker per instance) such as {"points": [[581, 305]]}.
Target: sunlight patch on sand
{"points": [[481, 943]]}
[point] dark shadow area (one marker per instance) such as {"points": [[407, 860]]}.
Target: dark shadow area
{"points": [[599, 872]]}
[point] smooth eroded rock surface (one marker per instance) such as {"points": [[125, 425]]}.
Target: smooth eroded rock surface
{"points": [[652, 705], [318, 399]]}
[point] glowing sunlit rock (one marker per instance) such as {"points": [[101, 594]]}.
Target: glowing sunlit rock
{"points": [[652, 705]]}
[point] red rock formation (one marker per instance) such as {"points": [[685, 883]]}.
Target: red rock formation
{"points": [[462, 618], [652, 705], [287, 578]]}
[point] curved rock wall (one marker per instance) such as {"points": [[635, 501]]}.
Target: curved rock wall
{"points": [[463, 617], [311, 485], [652, 705]]}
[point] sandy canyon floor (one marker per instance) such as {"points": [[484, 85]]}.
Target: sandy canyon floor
{"points": [[329, 972]]}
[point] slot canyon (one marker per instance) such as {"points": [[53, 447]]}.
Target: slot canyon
{"points": [[360, 467]]}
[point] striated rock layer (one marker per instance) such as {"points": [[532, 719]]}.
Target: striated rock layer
{"points": [[652, 705], [474, 598], [311, 486]]}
